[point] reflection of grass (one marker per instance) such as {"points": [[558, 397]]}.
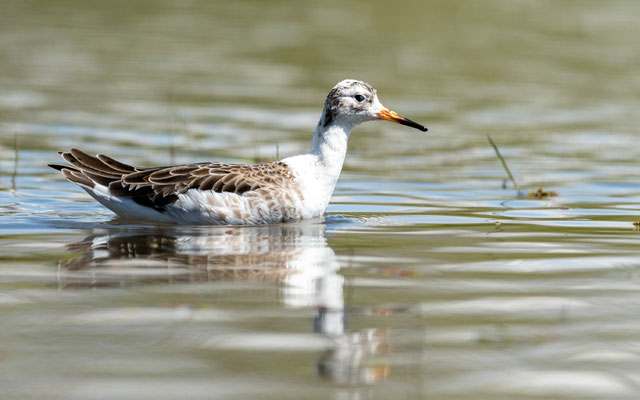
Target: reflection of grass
{"points": [[176, 118], [259, 159], [172, 153], [16, 158], [504, 165]]}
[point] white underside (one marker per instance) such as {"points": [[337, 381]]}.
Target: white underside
{"points": [[197, 207]]}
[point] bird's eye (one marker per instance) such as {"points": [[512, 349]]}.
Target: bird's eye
{"points": [[359, 98]]}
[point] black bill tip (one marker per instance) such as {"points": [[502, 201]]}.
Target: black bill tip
{"points": [[393, 116], [413, 124]]}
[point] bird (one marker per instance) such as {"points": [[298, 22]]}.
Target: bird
{"points": [[217, 193]]}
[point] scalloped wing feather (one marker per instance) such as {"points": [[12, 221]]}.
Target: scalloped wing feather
{"points": [[160, 187]]}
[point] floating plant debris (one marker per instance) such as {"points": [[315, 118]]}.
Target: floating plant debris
{"points": [[541, 194]]}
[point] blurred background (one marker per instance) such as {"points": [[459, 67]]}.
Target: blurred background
{"points": [[430, 277]]}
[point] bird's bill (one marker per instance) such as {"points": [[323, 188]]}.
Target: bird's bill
{"points": [[393, 116]]}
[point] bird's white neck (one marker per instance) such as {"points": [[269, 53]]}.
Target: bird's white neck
{"points": [[318, 171], [329, 145]]}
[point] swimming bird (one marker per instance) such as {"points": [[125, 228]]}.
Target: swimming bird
{"points": [[215, 193]]}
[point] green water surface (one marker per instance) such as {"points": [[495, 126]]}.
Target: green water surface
{"points": [[427, 280]]}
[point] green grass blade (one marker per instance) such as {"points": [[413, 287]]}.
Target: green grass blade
{"points": [[504, 164]]}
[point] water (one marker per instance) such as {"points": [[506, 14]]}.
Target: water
{"points": [[426, 280]]}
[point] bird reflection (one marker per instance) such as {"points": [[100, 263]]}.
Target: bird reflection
{"points": [[295, 257]]}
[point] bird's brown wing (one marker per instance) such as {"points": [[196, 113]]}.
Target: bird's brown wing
{"points": [[160, 186]]}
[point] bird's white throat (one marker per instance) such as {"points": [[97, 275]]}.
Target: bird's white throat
{"points": [[329, 145], [317, 172]]}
